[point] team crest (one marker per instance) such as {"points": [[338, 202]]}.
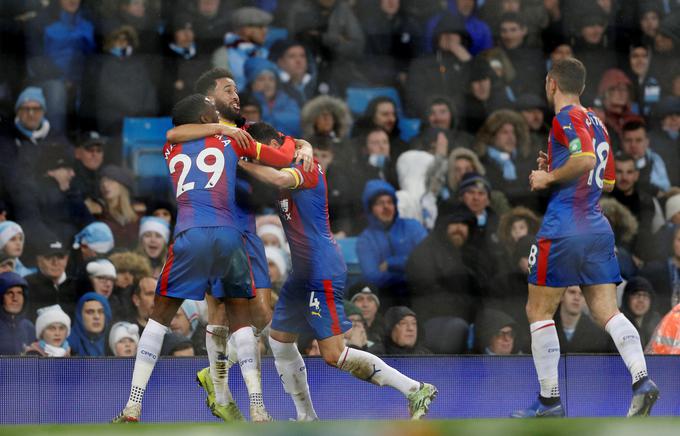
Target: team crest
{"points": [[575, 146]]}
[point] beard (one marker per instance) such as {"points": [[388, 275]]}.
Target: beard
{"points": [[227, 112]]}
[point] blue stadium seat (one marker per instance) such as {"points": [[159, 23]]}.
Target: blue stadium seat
{"points": [[141, 133], [409, 128], [274, 34], [349, 250], [143, 140], [358, 98]]}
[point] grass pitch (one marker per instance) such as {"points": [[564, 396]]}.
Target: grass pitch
{"points": [[470, 427]]}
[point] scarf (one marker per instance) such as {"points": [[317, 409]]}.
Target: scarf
{"points": [[34, 135], [504, 160]]}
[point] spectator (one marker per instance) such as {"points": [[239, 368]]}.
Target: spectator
{"points": [[480, 33], [576, 331], [517, 223], [495, 333], [272, 235], [16, 330], [51, 285], [251, 110], [382, 112], [650, 19], [245, 42], [664, 275], [154, 235], [664, 139], [533, 12], [326, 116], [102, 276], [123, 339], [89, 154], [647, 88], [474, 192], [637, 303], [12, 245], [210, 19], [130, 269], [364, 297], [296, 76], [625, 227], [187, 324], [164, 210], [375, 158], [142, 300], [93, 241], [532, 108], [278, 266], [666, 338], [357, 336], [615, 90], [93, 318], [484, 94], [278, 108], [116, 187], [384, 246], [142, 16], [444, 72], [175, 344], [401, 336], [653, 173], [666, 48], [443, 118], [52, 328]]}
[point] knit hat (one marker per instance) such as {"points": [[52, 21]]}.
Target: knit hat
{"points": [[191, 311], [272, 229], [154, 224], [120, 175], [672, 206], [50, 315], [55, 156], [32, 93], [611, 78], [638, 283], [250, 16], [255, 66], [10, 280], [395, 314], [97, 236], [122, 330], [351, 309], [481, 70], [670, 27], [456, 213], [365, 290], [277, 256], [101, 268], [473, 180], [8, 230]]}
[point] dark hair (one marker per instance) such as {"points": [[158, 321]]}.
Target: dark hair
{"points": [[570, 75], [512, 17], [322, 142], [442, 100], [207, 82], [250, 100], [189, 110], [625, 157], [263, 132], [634, 124], [365, 124]]}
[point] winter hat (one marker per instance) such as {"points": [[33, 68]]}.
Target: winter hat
{"points": [[191, 311], [473, 180], [8, 230], [55, 156], [611, 78], [277, 256], [488, 323], [122, 330], [49, 315], [255, 66], [672, 206], [97, 236], [638, 283], [10, 280], [120, 175], [351, 309], [251, 16], [32, 93], [101, 268], [280, 47], [365, 290], [455, 214], [272, 229], [394, 315], [154, 224]]}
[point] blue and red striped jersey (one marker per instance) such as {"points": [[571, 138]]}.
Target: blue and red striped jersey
{"points": [[574, 207], [304, 214]]}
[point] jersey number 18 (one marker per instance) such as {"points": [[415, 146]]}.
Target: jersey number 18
{"points": [[597, 173]]}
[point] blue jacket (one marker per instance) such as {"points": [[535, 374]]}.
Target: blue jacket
{"points": [[16, 333], [283, 114], [238, 52], [393, 245]]}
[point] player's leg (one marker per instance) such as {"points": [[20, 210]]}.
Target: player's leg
{"points": [[260, 305], [261, 309]]}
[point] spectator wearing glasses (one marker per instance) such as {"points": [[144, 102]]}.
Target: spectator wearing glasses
{"points": [[495, 333]]}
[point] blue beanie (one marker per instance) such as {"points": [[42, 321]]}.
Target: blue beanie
{"points": [[32, 93], [255, 66], [10, 280], [97, 236]]}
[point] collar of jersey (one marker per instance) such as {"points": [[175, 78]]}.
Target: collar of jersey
{"points": [[227, 123]]}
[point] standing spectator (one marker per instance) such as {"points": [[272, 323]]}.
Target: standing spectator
{"points": [[666, 338], [52, 328], [615, 91], [365, 298], [495, 333], [16, 330], [245, 42], [645, 84], [58, 41], [384, 246], [89, 154], [123, 339], [154, 235], [12, 245], [637, 304], [93, 317], [483, 95], [296, 76], [116, 187], [576, 331], [665, 140], [51, 285], [401, 336], [653, 173]]}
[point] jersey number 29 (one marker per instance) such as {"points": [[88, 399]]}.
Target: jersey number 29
{"points": [[216, 168], [597, 173]]}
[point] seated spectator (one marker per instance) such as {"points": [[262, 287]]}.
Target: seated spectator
{"points": [[94, 241], [357, 336], [272, 235], [186, 323], [175, 344], [143, 16], [364, 297], [51, 285], [210, 19], [382, 112], [576, 331], [645, 84], [154, 235], [142, 302], [484, 93], [90, 151], [93, 318], [278, 108], [534, 13], [653, 172], [278, 266], [615, 91], [164, 210], [664, 140], [326, 116], [637, 304], [102, 276], [533, 108], [384, 246], [374, 159], [117, 185], [52, 328], [296, 77], [12, 245], [650, 14], [442, 116], [474, 192], [123, 339], [514, 225], [401, 327], [495, 331], [665, 274], [16, 330], [666, 337], [665, 61]]}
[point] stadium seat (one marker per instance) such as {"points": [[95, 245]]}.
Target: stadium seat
{"points": [[409, 127], [348, 246], [358, 98], [143, 140], [141, 133]]}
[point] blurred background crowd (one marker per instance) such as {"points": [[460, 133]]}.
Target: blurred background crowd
{"points": [[426, 115]]}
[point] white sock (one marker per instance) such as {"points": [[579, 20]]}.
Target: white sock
{"points": [[148, 350], [365, 366], [293, 374], [627, 340], [545, 348], [232, 352], [248, 354], [216, 345]]}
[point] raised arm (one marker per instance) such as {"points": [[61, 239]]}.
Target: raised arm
{"points": [[275, 157], [282, 179]]}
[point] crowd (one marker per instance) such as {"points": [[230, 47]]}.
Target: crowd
{"points": [[444, 221]]}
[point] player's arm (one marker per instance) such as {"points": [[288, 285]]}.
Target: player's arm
{"points": [[280, 178], [274, 157], [609, 179], [189, 132], [304, 153]]}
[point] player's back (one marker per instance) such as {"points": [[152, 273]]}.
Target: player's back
{"points": [[203, 174], [574, 208], [304, 214]]}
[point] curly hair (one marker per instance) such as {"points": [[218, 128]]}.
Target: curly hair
{"points": [[512, 216], [623, 222], [494, 122], [132, 262]]}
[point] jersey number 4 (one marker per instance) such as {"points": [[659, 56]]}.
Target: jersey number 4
{"points": [[597, 173], [215, 168]]}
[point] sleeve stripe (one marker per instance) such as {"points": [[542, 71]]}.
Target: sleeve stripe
{"points": [[295, 174], [609, 182], [258, 149], [584, 153]]}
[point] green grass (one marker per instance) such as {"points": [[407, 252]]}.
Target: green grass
{"points": [[470, 427]]}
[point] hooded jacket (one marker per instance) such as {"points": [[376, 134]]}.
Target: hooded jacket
{"points": [[651, 318], [393, 244], [320, 104], [82, 342], [16, 331]]}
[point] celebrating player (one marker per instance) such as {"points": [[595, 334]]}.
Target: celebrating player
{"points": [[312, 298], [208, 249], [575, 245]]}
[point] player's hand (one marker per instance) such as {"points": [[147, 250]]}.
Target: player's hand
{"points": [[304, 154], [542, 161], [242, 138], [539, 180]]}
